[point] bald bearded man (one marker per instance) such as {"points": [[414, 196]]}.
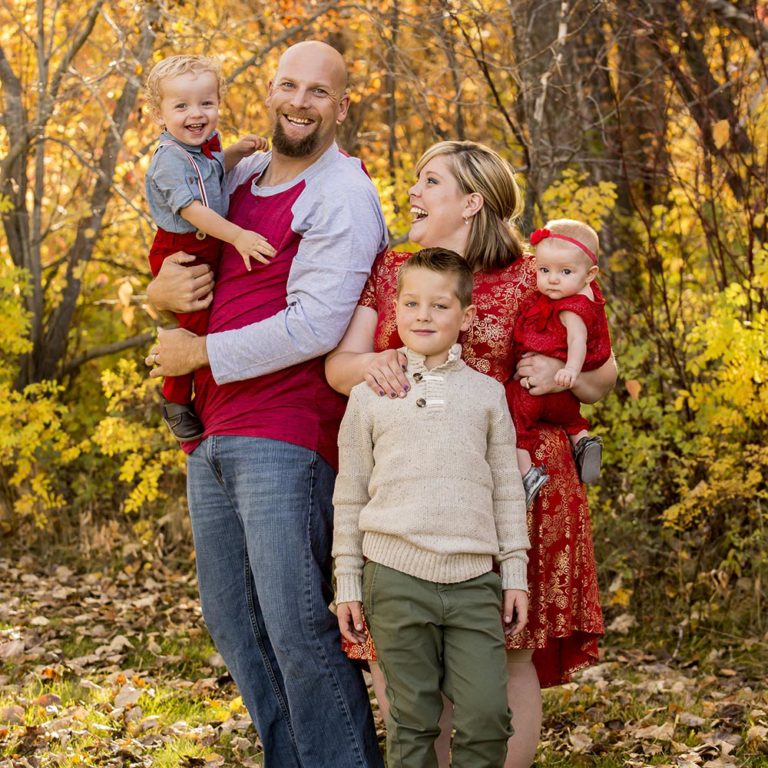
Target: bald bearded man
{"points": [[260, 482]]}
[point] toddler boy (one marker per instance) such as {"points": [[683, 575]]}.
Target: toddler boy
{"points": [[187, 198]]}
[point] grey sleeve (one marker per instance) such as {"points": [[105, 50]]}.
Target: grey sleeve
{"points": [[171, 179], [344, 232]]}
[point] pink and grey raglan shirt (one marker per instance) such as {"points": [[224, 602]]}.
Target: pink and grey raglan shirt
{"points": [[270, 328]]}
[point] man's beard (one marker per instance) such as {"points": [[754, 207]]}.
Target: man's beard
{"points": [[291, 147]]}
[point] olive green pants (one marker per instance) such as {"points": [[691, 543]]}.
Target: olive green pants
{"points": [[440, 637]]}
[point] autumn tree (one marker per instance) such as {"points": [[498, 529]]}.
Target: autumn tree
{"points": [[647, 119]]}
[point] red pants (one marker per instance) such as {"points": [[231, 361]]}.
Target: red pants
{"points": [[178, 389], [560, 408]]}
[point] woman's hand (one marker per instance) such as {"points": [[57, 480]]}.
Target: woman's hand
{"points": [[355, 360], [351, 622], [177, 352], [537, 375], [179, 288], [385, 373]]}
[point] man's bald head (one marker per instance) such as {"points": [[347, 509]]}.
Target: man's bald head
{"points": [[320, 55], [307, 99]]}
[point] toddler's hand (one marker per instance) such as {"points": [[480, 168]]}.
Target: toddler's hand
{"points": [[565, 377], [252, 245], [514, 611], [250, 143], [351, 624]]}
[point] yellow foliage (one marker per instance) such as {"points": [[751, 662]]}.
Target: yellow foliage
{"points": [[149, 459], [721, 132], [34, 445], [571, 198]]}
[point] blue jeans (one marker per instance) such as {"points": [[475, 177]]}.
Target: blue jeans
{"points": [[262, 521]]}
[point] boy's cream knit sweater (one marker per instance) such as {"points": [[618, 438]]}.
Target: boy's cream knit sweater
{"points": [[428, 484]]}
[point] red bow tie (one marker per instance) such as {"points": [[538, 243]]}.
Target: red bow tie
{"points": [[209, 146]]}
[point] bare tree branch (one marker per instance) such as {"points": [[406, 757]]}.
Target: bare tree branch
{"points": [[104, 350], [51, 351]]}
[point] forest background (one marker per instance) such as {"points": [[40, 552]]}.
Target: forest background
{"points": [[647, 118]]}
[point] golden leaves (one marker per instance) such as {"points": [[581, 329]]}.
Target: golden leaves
{"points": [[721, 132], [633, 387], [571, 197]]}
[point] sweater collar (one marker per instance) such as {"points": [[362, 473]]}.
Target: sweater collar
{"points": [[416, 361]]}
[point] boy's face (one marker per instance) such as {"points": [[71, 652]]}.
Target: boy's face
{"points": [[429, 315], [189, 107], [562, 269]]}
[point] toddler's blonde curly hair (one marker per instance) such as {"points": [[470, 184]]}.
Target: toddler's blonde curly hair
{"points": [[173, 66]]}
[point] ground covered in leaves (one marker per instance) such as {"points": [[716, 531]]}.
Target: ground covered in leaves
{"points": [[114, 668]]}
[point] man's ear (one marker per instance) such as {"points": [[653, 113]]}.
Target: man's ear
{"points": [[469, 316], [341, 113]]}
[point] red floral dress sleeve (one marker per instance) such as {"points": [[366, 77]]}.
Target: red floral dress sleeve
{"points": [[368, 296]]}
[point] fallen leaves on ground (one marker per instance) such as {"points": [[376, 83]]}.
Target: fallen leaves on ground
{"points": [[116, 669], [113, 670], [646, 711]]}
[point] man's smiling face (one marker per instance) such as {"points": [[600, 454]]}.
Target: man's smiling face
{"points": [[306, 100]]}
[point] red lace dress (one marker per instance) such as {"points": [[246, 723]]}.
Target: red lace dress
{"points": [[564, 619]]}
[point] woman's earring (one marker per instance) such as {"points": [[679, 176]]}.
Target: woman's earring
{"points": [[466, 219]]}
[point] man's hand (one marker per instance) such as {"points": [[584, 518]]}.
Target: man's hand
{"points": [[351, 624], [179, 288], [177, 352], [514, 611]]}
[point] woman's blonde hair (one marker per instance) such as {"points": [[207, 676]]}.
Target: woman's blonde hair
{"points": [[494, 241], [173, 66]]}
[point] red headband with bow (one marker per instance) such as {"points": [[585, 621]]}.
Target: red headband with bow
{"points": [[543, 234]]}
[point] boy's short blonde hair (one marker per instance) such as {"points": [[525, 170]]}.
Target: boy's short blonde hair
{"points": [[173, 66], [578, 230], [442, 261]]}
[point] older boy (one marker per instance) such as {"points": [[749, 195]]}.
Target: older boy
{"points": [[429, 493]]}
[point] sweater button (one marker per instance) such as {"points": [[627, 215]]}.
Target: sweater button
{"points": [[417, 377], [421, 402]]}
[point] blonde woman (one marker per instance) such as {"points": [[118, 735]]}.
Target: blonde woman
{"points": [[466, 199]]}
